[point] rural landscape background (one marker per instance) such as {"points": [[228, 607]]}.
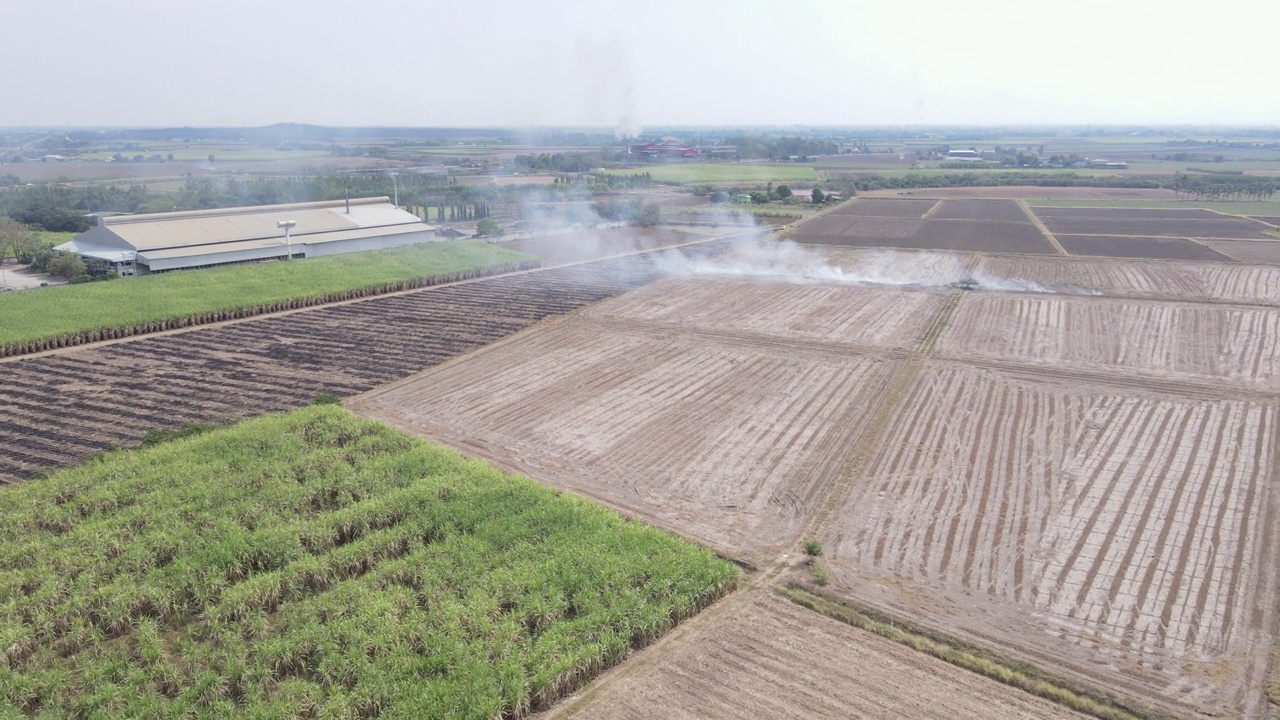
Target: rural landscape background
{"points": [[931, 379]]}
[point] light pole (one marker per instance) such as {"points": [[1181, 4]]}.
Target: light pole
{"points": [[395, 186], [286, 224]]}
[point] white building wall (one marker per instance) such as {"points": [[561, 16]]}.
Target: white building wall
{"points": [[380, 242]]}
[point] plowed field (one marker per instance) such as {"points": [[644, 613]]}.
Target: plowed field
{"points": [[1250, 251], [1001, 210], [886, 208], [1085, 522], [1221, 227], [769, 658], [1200, 282], [723, 410], [1211, 343], [1125, 246], [57, 409]]}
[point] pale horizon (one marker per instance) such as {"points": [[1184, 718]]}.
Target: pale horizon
{"points": [[819, 63]]}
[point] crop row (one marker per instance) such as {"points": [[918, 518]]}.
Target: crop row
{"points": [[59, 408], [183, 321], [316, 562]]}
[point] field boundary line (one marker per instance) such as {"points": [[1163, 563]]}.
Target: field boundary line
{"points": [[785, 234], [353, 301], [869, 436], [968, 656], [1044, 229], [932, 209], [749, 586], [1210, 248]]}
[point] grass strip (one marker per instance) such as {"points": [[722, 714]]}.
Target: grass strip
{"points": [[1019, 675], [48, 318], [317, 564]]}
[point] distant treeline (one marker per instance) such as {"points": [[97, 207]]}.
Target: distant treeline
{"points": [[1208, 187]]}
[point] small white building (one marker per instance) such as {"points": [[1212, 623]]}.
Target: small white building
{"points": [[159, 242]]}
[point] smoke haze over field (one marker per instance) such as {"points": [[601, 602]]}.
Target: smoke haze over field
{"points": [[607, 63]]}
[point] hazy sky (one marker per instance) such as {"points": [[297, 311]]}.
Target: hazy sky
{"points": [[607, 63]]}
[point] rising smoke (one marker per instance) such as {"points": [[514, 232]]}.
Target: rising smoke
{"points": [[766, 260]]}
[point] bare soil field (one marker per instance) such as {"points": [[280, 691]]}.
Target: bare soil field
{"points": [[1250, 251], [1094, 525], [1016, 192], [723, 415], [960, 235], [1213, 344], [1072, 213], [999, 237], [1199, 282], [1129, 246], [1224, 228], [1269, 220], [834, 227], [60, 408], [885, 208], [1001, 210], [595, 244], [773, 659]]}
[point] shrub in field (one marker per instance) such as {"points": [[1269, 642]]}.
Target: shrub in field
{"points": [[812, 548], [318, 564]]}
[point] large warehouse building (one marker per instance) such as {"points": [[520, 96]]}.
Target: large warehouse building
{"points": [[158, 242]]}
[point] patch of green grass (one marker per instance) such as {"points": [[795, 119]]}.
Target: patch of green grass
{"points": [[1018, 675], [317, 564], [725, 173], [71, 310], [49, 239], [1266, 207]]}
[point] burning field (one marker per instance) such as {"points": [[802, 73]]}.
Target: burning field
{"points": [[1072, 463], [1067, 459]]}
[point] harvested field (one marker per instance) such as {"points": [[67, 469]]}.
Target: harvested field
{"points": [[1015, 192], [723, 414], [1250, 251], [1108, 213], [1225, 228], [1095, 525], [774, 659], [58, 409], [983, 237], [1003, 210], [885, 208], [596, 244], [1213, 344], [832, 228], [962, 235], [1128, 246], [1199, 282]]}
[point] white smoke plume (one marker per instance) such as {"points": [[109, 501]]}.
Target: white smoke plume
{"points": [[786, 261]]}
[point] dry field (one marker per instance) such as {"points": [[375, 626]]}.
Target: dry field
{"points": [[991, 210], [721, 409], [1194, 281], [886, 208], [1249, 251], [1148, 340], [1129, 246], [59, 408], [765, 657], [1096, 525], [1085, 222], [1015, 192], [1081, 478]]}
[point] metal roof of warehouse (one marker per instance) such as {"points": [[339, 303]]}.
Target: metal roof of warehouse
{"points": [[207, 231], [278, 241]]}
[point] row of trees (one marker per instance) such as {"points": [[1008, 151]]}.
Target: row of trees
{"points": [[1231, 187]]}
